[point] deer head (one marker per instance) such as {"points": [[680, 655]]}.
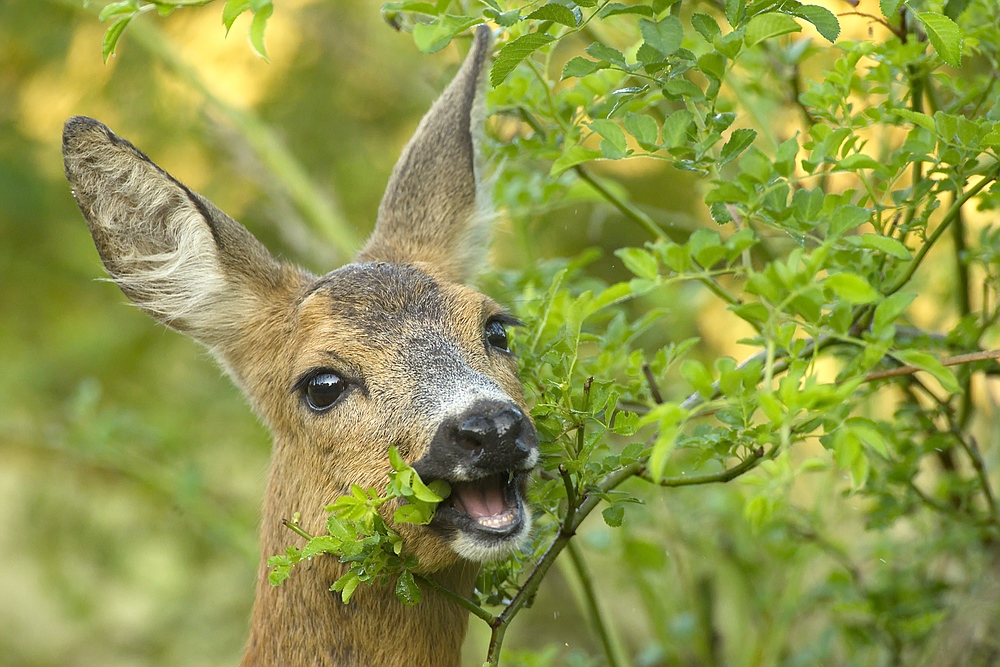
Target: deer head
{"points": [[393, 349]]}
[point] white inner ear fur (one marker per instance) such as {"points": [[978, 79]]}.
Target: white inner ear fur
{"points": [[182, 284]]}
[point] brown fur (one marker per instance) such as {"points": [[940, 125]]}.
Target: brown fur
{"points": [[397, 323]]}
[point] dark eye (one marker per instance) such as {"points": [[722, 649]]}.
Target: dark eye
{"points": [[496, 335], [323, 390]]}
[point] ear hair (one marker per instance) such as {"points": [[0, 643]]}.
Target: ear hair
{"points": [[173, 253], [436, 206]]}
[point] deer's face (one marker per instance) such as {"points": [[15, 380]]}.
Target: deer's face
{"points": [[392, 350], [388, 354]]}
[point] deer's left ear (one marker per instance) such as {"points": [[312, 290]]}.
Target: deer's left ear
{"points": [[434, 210]]}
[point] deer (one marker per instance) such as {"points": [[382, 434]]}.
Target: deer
{"points": [[392, 349]]}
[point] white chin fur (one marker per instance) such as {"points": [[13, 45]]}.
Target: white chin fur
{"points": [[483, 549]]}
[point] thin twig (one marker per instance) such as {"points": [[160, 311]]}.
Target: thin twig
{"points": [[949, 217], [461, 600], [296, 528], [593, 609], [971, 448], [957, 360], [720, 477], [654, 389]]}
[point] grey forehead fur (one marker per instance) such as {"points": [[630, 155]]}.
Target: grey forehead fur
{"points": [[402, 293]]}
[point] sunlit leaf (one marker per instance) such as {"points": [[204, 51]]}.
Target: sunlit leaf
{"points": [[514, 52]]}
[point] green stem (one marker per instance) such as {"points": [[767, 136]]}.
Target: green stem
{"points": [[720, 477], [949, 218], [597, 620], [643, 220], [296, 528], [629, 211], [460, 600]]}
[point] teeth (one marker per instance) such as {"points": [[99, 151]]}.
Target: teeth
{"points": [[497, 521]]}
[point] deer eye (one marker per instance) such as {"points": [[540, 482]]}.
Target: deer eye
{"points": [[323, 390], [496, 335]]}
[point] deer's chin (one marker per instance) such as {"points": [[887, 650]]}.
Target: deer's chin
{"points": [[486, 519]]}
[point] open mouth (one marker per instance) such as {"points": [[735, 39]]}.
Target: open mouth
{"points": [[490, 509]]}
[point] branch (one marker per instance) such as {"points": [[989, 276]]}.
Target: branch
{"points": [[461, 600], [627, 209], [593, 609], [948, 361], [949, 217], [720, 477]]}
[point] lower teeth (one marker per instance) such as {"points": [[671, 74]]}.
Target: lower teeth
{"points": [[496, 521]]}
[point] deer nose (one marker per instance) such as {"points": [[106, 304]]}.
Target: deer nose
{"points": [[500, 429]]}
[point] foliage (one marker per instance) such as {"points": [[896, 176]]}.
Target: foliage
{"points": [[357, 533], [833, 181]]}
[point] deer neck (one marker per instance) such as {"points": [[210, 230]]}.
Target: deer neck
{"points": [[301, 622]]}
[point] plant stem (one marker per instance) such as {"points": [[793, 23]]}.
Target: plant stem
{"points": [[593, 609], [949, 218], [296, 528], [627, 209], [723, 476], [971, 448], [462, 601], [957, 360]]}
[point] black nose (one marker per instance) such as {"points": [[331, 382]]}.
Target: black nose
{"points": [[501, 428], [486, 438]]}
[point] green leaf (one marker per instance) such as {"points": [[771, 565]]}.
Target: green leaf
{"points": [[885, 244], [821, 17], [232, 10], [954, 8], [556, 13], [706, 26], [614, 515], [890, 309], [572, 157], [616, 8], [868, 433], [643, 128], [434, 36], [916, 117], [117, 8], [665, 36], [346, 585], [945, 35], [112, 34], [929, 363], [675, 128], [607, 54], [738, 142], [406, 589], [851, 288], [758, 511], [580, 67], [640, 262], [514, 52], [734, 11], [614, 145], [766, 26], [668, 418], [890, 8], [857, 161], [257, 30], [697, 376]]}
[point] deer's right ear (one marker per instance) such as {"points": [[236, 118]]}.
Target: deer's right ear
{"points": [[173, 253]]}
